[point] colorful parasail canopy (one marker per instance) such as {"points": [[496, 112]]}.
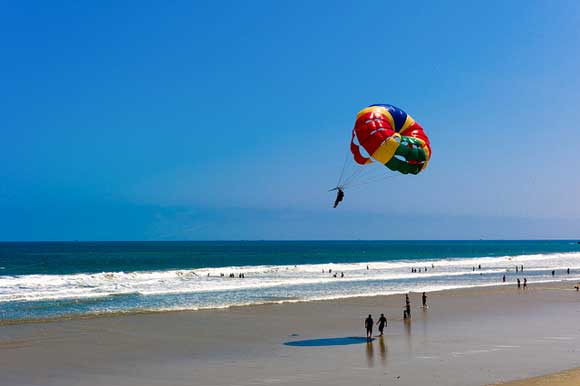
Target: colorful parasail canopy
{"points": [[391, 137]]}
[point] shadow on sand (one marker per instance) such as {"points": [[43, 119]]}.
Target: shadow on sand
{"points": [[328, 342]]}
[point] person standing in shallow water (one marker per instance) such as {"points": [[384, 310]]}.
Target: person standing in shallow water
{"points": [[382, 323], [519, 283], [369, 327]]}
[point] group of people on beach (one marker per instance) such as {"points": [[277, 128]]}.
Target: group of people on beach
{"points": [[335, 274], [370, 323], [382, 322], [520, 283], [524, 285], [418, 270], [233, 275]]}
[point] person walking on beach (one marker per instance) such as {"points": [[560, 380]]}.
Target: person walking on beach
{"points": [[407, 312], [382, 323], [369, 327], [424, 300], [503, 279], [525, 283], [519, 283]]}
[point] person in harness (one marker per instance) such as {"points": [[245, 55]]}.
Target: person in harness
{"points": [[339, 197]]}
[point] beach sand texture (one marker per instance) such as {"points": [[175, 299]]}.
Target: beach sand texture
{"points": [[472, 336], [564, 378]]}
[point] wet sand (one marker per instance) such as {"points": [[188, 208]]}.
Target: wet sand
{"points": [[473, 336]]}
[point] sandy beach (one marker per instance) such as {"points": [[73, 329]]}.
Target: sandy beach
{"points": [[563, 378], [472, 336]]}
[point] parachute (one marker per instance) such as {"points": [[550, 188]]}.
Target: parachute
{"points": [[387, 136]]}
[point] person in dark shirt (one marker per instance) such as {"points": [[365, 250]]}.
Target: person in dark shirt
{"points": [[382, 323], [407, 313], [424, 299], [339, 197], [369, 327]]}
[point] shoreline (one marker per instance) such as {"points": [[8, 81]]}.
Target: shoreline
{"points": [[115, 314]]}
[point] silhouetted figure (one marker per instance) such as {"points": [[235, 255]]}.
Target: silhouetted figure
{"points": [[517, 269], [519, 283], [339, 197], [479, 266], [525, 283], [553, 272], [369, 327], [522, 268], [407, 313], [342, 274], [424, 300], [568, 271], [503, 279], [382, 323]]}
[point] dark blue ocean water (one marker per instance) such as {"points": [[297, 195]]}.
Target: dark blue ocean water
{"points": [[91, 257], [68, 279]]}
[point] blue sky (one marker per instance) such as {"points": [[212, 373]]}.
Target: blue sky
{"points": [[230, 120]]}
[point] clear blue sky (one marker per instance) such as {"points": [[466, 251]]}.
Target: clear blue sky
{"points": [[230, 120]]}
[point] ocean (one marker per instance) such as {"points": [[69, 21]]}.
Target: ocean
{"points": [[52, 280]]}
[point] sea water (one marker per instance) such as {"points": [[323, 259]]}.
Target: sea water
{"points": [[70, 279]]}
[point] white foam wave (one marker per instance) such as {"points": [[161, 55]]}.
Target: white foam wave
{"points": [[393, 276]]}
